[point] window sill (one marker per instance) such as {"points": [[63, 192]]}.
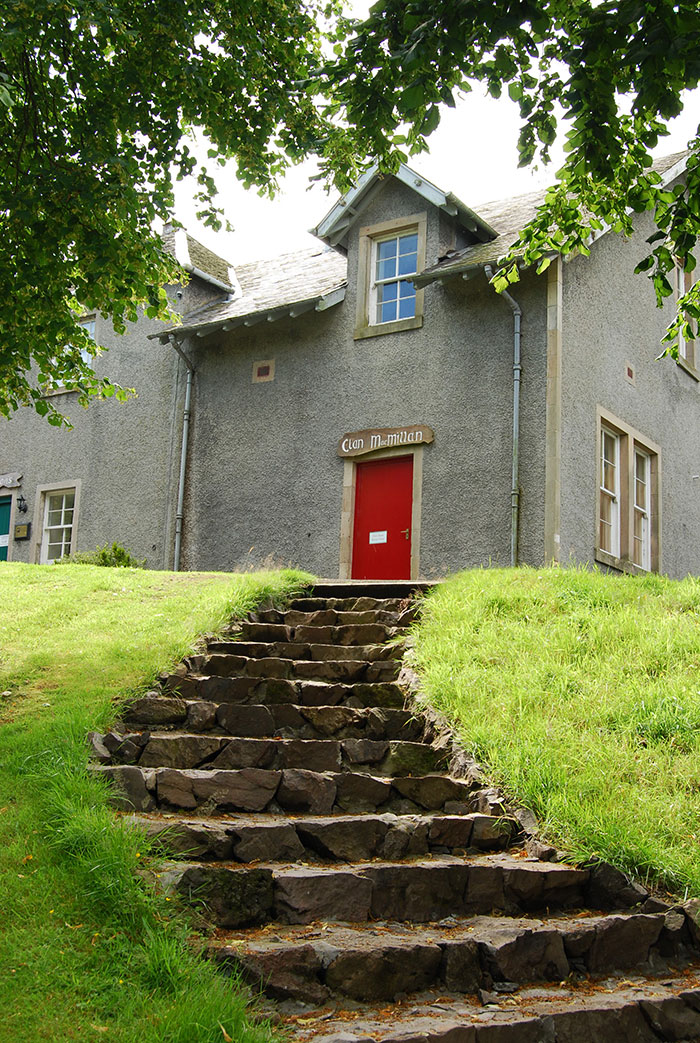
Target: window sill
{"points": [[621, 564], [690, 370], [414, 323]]}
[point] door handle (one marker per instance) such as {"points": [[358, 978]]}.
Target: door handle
{"points": [[405, 532]]}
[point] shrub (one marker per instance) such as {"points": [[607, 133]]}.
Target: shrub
{"points": [[115, 556]]}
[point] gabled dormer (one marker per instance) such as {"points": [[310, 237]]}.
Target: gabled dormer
{"points": [[392, 226]]}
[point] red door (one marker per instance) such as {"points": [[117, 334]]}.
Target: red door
{"points": [[381, 543]]}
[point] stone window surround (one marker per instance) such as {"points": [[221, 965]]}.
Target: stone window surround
{"points": [[629, 440], [364, 327], [39, 510], [347, 515]]}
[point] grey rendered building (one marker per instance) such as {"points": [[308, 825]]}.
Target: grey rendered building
{"points": [[373, 409]]}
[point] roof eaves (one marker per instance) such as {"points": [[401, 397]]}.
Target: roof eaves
{"points": [[465, 267], [319, 302], [337, 221]]}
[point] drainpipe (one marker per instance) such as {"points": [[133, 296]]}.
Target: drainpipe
{"points": [[515, 480], [183, 453]]}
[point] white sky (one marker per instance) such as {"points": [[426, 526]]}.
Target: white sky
{"points": [[472, 153]]}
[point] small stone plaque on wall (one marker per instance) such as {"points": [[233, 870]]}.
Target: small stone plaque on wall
{"points": [[356, 443]]}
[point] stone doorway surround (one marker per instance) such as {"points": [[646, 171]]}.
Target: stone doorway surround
{"points": [[347, 514]]}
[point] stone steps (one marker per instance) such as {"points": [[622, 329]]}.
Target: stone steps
{"points": [[348, 604], [297, 650], [301, 806], [383, 961], [187, 750], [333, 617], [342, 838], [343, 670], [417, 890], [276, 719], [357, 634], [638, 1009], [291, 789], [269, 691]]}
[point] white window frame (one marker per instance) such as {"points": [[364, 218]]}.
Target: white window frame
{"points": [[612, 496], [40, 516], [375, 283], [366, 324], [642, 511], [630, 445]]}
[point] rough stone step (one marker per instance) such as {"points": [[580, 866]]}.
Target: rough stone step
{"points": [[382, 961], [345, 670], [342, 838], [295, 790], [383, 757], [419, 891], [297, 650], [322, 722], [353, 634], [633, 1010], [277, 690], [348, 604], [280, 720], [332, 617]]}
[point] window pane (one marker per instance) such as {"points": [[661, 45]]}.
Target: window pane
{"points": [[386, 269], [408, 264], [609, 462], [387, 311], [56, 502], [641, 477], [407, 308], [386, 249], [387, 292], [69, 499], [606, 523], [54, 518], [408, 244]]}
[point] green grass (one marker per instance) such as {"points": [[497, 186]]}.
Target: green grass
{"points": [[87, 950], [581, 693]]}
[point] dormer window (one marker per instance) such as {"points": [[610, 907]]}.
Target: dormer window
{"points": [[390, 254]]}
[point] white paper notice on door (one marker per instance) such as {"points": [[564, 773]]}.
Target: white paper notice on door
{"points": [[377, 537]]}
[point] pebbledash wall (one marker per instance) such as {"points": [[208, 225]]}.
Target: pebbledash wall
{"points": [[265, 475], [121, 458], [265, 481]]}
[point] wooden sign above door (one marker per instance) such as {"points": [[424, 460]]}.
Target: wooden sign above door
{"points": [[356, 443]]}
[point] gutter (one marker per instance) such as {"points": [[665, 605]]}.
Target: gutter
{"points": [[180, 514], [517, 369]]}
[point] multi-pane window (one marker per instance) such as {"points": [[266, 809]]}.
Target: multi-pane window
{"points": [[59, 508], [629, 511], [683, 283], [394, 261], [609, 522], [641, 530]]}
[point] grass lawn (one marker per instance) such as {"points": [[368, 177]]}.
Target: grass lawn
{"points": [[86, 951], [581, 693]]}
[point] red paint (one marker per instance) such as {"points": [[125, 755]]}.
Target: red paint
{"points": [[383, 503]]}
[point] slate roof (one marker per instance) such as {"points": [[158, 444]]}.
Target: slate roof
{"points": [[289, 284], [508, 217]]}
